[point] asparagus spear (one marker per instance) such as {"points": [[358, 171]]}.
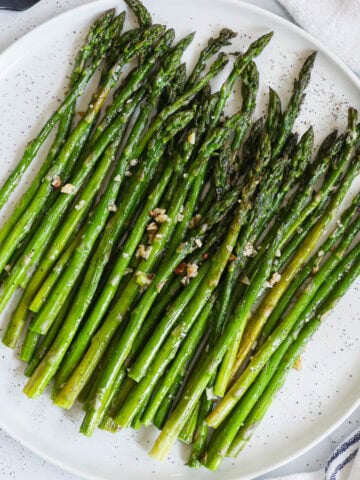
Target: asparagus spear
{"points": [[81, 129], [201, 378], [21, 272], [139, 368], [180, 363], [248, 341], [251, 87], [274, 114], [335, 292], [100, 38], [79, 78], [193, 86], [141, 13], [271, 197], [101, 339], [245, 380], [187, 433], [226, 170], [113, 188], [222, 440], [90, 282], [45, 371], [254, 50], [114, 279], [213, 47], [175, 89], [206, 287], [136, 78], [251, 143], [274, 192], [162, 77], [112, 370], [328, 152], [102, 303], [288, 118], [218, 446], [312, 266], [142, 391], [290, 224], [165, 299]]}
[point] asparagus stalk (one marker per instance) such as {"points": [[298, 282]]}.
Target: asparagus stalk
{"points": [[312, 266], [161, 79], [142, 391], [304, 251], [113, 281], [201, 430], [327, 160], [168, 294], [288, 118], [337, 290], [254, 50], [113, 188], [83, 127], [45, 371], [30, 257], [187, 433], [299, 279], [328, 151], [239, 66], [274, 114], [250, 90], [221, 440], [21, 273], [141, 13], [138, 370], [179, 364], [207, 285], [79, 78], [254, 226], [101, 304], [225, 435], [136, 78], [101, 339], [166, 405], [253, 329], [128, 153], [226, 170], [201, 378], [213, 47], [93, 276], [267, 202], [175, 89], [91, 419], [35, 353], [251, 143]]}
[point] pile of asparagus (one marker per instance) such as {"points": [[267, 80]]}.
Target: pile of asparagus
{"points": [[168, 255]]}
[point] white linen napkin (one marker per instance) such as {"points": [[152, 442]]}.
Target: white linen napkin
{"points": [[335, 22], [343, 464]]}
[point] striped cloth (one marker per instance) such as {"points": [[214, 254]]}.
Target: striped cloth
{"points": [[343, 464]]}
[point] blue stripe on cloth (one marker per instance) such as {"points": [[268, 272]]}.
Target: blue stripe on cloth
{"points": [[341, 449], [343, 464]]}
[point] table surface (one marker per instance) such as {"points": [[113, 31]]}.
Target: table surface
{"points": [[17, 462]]}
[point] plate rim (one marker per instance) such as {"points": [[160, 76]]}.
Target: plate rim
{"points": [[7, 56]]}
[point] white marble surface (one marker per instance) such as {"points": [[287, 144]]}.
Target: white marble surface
{"points": [[16, 462]]}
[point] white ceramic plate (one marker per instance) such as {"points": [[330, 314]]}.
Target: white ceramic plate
{"points": [[314, 400]]}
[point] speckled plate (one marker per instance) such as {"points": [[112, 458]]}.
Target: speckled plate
{"points": [[314, 400]]}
